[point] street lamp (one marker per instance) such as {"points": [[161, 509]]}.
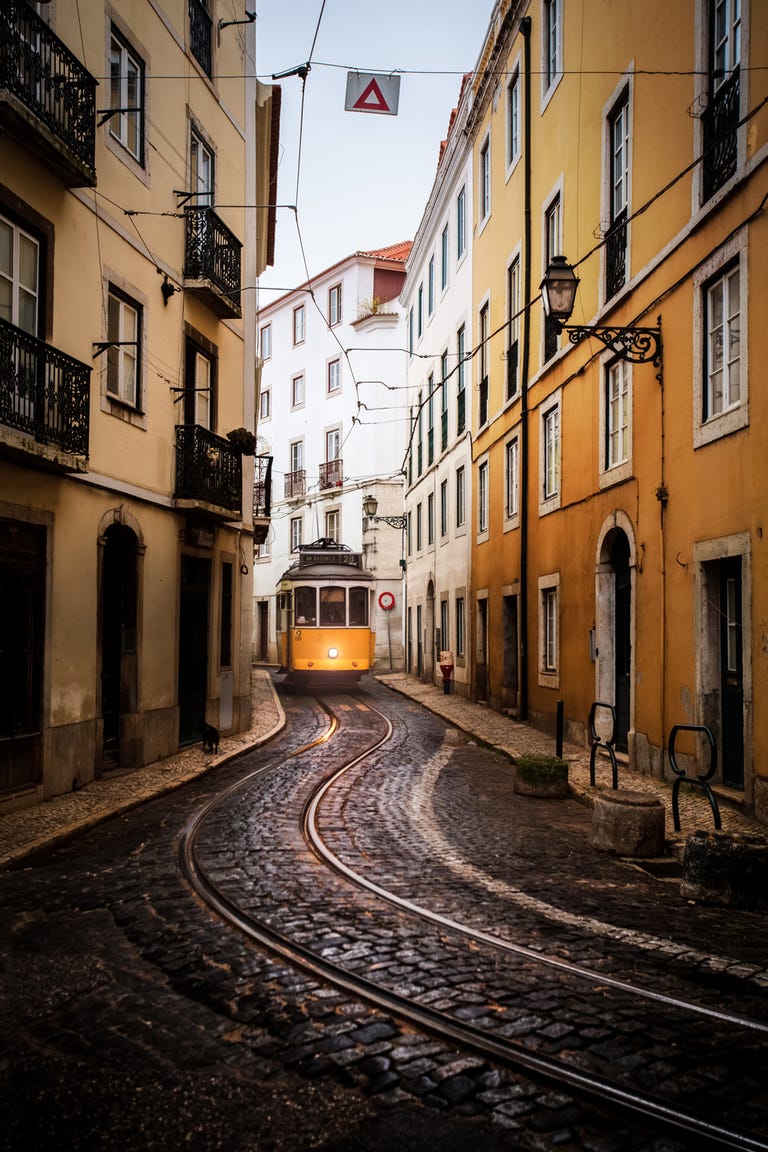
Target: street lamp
{"points": [[558, 291], [370, 507]]}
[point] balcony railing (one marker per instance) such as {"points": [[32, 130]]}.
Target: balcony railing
{"points": [[461, 411], [513, 358], [262, 487], [332, 474], [212, 261], [209, 469], [482, 414], [720, 136], [43, 392], [443, 429], [47, 98], [200, 28], [295, 483], [616, 256]]}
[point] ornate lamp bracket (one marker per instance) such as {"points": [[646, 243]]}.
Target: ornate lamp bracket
{"points": [[637, 345]]}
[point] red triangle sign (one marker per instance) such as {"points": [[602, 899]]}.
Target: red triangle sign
{"points": [[371, 99]]}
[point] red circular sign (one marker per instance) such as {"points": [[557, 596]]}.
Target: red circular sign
{"points": [[386, 601]]}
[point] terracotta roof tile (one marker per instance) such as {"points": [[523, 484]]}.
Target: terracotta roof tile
{"points": [[393, 252]]}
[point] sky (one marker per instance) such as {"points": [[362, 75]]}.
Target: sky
{"points": [[363, 180]]}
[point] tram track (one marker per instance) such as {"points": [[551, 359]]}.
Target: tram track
{"points": [[709, 1131]]}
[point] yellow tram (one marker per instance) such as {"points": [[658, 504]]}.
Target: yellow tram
{"points": [[324, 613]]}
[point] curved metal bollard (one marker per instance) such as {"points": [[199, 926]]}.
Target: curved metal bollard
{"points": [[702, 780], [598, 742]]}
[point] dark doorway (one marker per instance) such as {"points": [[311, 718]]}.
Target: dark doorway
{"points": [[22, 630], [731, 673], [510, 647], [622, 649], [193, 646], [118, 636], [263, 630], [481, 665]]}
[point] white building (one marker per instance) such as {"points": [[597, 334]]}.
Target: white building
{"points": [[438, 300], [332, 414]]}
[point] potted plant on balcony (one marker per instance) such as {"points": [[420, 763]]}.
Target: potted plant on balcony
{"points": [[243, 440]]}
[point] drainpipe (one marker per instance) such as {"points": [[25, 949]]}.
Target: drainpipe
{"points": [[525, 28]]}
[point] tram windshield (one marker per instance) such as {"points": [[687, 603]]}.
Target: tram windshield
{"points": [[305, 606], [332, 606], [358, 607]]}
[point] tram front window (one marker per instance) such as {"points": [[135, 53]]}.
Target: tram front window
{"points": [[358, 607], [332, 607], [305, 606]]}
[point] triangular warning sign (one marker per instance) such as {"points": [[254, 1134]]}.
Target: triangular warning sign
{"points": [[371, 99]]}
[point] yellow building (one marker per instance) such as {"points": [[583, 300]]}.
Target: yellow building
{"points": [[620, 540], [127, 354]]}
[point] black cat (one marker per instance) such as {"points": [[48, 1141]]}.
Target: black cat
{"points": [[210, 737]]}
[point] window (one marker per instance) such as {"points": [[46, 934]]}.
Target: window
{"points": [[552, 31], [461, 394], [485, 179], [334, 305], [431, 286], [410, 331], [297, 391], [482, 497], [124, 335], [420, 311], [483, 364], [431, 420], [444, 508], [126, 93], [297, 533], [358, 607], [444, 402], [461, 223], [265, 342], [419, 437], [200, 384], [513, 119], [445, 631], [513, 326], [552, 247], [305, 605], [200, 171], [459, 625], [225, 635], [19, 277], [431, 518], [460, 497], [298, 324], [616, 242], [418, 527], [512, 478], [200, 34], [549, 631], [334, 375], [722, 95], [297, 455], [618, 414], [550, 427], [332, 525], [723, 344], [265, 404], [408, 537], [333, 444], [444, 259]]}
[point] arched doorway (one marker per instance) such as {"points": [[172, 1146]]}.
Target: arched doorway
{"points": [[614, 626], [119, 604]]}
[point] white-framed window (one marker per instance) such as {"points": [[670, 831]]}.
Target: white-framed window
{"points": [[265, 341], [483, 358], [297, 390], [199, 387], [410, 331], [418, 527], [461, 389], [297, 455], [618, 414], [431, 285], [445, 626], [460, 625], [720, 368], [334, 376], [420, 311], [333, 525], [124, 336], [264, 551], [461, 223], [334, 305], [726, 39], [19, 276], [299, 318], [126, 93], [513, 120], [552, 45], [443, 402], [431, 518], [265, 404], [482, 497], [513, 327], [444, 508], [549, 454], [512, 478], [201, 168], [461, 497], [332, 444], [484, 180], [618, 149], [549, 630], [297, 532], [444, 257]]}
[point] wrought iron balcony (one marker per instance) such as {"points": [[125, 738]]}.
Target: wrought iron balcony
{"points": [[616, 256], [262, 498], [43, 393], [482, 410], [209, 470], [513, 358], [47, 98], [200, 38], [720, 136], [212, 261], [332, 474], [295, 483]]}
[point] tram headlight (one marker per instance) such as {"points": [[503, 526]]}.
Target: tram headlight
{"points": [[332, 653]]}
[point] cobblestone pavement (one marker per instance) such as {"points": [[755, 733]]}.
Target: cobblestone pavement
{"points": [[162, 1030]]}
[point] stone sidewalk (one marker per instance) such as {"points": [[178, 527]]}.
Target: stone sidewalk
{"points": [[55, 821]]}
